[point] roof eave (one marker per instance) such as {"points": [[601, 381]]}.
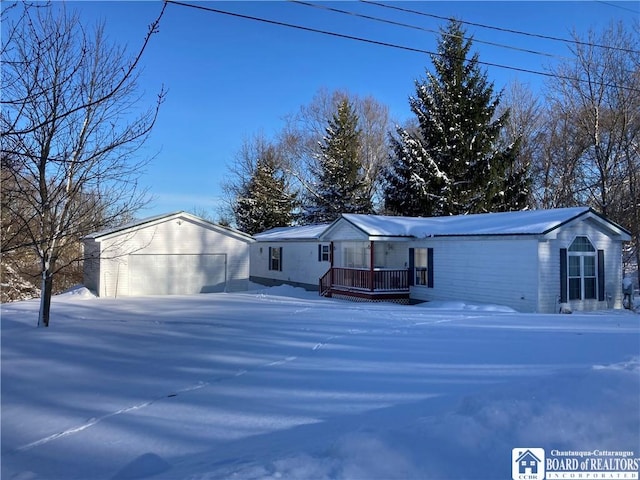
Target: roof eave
{"points": [[106, 235], [503, 234]]}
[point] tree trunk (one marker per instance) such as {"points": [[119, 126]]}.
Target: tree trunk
{"points": [[45, 299], [637, 245]]}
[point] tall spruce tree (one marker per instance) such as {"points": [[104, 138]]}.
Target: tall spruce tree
{"points": [[266, 200], [454, 162], [340, 185]]}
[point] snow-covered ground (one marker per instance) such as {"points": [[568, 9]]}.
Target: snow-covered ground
{"points": [[280, 383]]}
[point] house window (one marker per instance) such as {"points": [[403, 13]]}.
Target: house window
{"points": [[582, 270], [421, 266], [323, 253], [275, 258], [356, 255], [380, 254]]}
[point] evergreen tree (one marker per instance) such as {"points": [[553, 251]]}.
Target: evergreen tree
{"points": [[266, 200], [340, 185], [454, 163], [411, 177]]}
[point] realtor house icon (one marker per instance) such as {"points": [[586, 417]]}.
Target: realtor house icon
{"points": [[528, 463]]}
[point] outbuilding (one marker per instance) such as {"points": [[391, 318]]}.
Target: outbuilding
{"points": [[533, 261], [172, 254]]}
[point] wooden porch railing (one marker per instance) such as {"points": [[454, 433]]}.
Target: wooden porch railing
{"points": [[364, 279], [325, 284]]}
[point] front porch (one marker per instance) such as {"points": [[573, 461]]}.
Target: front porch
{"points": [[367, 271], [378, 284]]}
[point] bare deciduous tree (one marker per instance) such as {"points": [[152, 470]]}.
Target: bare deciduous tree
{"points": [[557, 167], [597, 96], [258, 193], [305, 130], [69, 127], [240, 172]]}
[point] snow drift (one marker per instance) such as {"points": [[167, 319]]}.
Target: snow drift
{"points": [[279, 383]]}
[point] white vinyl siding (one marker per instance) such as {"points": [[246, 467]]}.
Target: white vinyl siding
{"points": [[497, 270], [175, 254], [344, 231], [300, 265], [550, 267]]}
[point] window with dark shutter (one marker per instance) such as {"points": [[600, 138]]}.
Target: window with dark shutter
{"points": [[601, 275], [275, 258], [323, 253], [421, 266], [563, 275], [583, 270], [412, 266]]}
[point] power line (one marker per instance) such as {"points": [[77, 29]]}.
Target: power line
{"points": [[443, 33], [385, 44], [299, 27], [618, 6], [501, 29], [414, 27]]}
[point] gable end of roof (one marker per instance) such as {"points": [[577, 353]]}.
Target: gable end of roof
{"points": [[591, 213], [104, 234]]}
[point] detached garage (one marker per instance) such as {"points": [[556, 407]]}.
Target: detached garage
{"points": [[172, 254]]}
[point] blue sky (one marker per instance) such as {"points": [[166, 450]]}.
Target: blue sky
{"points": [[230, 78]]}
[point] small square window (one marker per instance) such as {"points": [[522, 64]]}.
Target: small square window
{"points": [[324, 253]]}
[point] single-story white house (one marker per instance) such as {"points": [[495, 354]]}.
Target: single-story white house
{"points": [[306, 258], [175, 253], [532, 261]]}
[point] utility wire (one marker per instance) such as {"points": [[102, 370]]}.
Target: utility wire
{"points": [[386, 44], [508, 30], [619, 6], [443, 33], [414, 27]]}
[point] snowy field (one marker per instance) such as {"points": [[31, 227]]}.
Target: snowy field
{"points": [[279, 383]]}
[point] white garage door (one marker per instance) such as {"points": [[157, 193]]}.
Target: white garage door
{"points": [[177, 274]]}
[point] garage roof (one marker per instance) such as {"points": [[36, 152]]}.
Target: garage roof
{"points": [[136, 224]]}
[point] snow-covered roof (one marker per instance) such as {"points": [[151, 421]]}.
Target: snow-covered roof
{"points": [[157, 218], [125, 226], [529, 222], [306, 232]]}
